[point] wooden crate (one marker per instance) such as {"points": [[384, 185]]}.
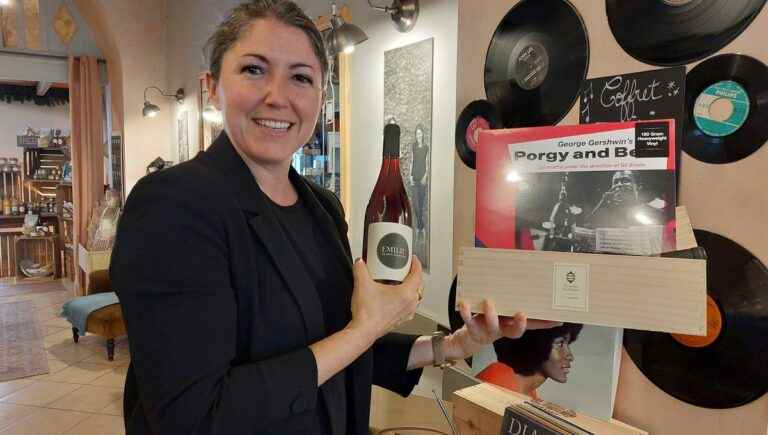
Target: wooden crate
{"points": [[479, 410]]}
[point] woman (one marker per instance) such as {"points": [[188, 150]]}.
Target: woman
{"points": [[244, 310], [526, 363]]}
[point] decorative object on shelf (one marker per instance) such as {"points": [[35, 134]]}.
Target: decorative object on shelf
{"points": [[64, 25], [30, 224], [151, 110], [33, 269], [342, 36], [103, 223], [404, 13]]}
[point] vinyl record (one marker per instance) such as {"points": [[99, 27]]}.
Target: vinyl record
{"points": [[536, 63], [677, 32], [726, 108], [727, 367], [478, 115]]}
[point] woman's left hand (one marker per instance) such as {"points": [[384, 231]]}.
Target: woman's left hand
{"points": [[484, 328]]}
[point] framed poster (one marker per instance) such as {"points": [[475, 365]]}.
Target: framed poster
{"points": [[182, 136], [408, 100]]}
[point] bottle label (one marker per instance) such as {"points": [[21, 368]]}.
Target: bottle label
{"points": [[389, 251]]}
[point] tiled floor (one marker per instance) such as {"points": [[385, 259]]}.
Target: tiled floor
{"points": [[82, 394]]}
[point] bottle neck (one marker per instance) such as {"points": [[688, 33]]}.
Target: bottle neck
{"points": [[391, 150]]}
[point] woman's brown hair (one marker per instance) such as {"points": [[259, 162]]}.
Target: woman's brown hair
{"points": [[242, 16]]}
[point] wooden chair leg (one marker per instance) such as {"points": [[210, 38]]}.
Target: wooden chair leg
{"points": [[75, 334], [111, 349]]}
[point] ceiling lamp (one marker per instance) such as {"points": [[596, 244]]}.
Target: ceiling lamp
{"points": [[151, 110], [403, 13], [342, 36]]}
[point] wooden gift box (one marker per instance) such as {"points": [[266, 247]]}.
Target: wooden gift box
{"points": [[646, 293]]}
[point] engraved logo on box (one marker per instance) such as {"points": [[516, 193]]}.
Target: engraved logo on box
{"points": [[570, 287]]}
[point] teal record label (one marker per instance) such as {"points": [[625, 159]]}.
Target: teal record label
{"points": [[726, 89]]}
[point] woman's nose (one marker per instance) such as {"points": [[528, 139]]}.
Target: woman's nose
{"points": [[277, 92]]}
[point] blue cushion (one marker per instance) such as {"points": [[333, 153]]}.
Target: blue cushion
{"points": [[78, 309]]}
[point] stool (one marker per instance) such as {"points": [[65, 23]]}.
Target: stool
{"points": [[105, 322]]}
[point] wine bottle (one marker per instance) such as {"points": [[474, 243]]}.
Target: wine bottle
{"points": [[387, 231]]}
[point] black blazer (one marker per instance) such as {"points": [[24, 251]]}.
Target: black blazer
{"points": [[218, 319]]}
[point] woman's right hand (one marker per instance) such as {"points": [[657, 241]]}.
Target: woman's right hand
{"points": [[379, 308]]}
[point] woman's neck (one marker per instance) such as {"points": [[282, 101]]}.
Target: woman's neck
{"points": [[272, 179], [529, 384]]}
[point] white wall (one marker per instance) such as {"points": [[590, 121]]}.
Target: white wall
{"points": [[16, 117], [438, 19]]}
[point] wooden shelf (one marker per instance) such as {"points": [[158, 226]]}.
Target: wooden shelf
{"points": [[43, 181], [51, 237]]}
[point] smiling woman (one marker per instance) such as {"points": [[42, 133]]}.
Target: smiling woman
{"points": [[244, 310]]}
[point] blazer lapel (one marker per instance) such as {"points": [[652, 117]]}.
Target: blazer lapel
{"points": [[327, 226], [265, 227]]}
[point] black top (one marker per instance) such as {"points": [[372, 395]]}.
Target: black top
{"points": [[335, 295], [220, 319]]}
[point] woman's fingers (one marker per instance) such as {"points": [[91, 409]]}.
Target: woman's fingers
{"points": [[414, 275], [360, 271], [466, 315], [491, 318]]}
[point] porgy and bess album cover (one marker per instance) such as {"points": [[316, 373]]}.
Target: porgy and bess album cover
{"points": [[607, 188]]}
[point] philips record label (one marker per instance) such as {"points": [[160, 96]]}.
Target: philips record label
{"points": [[726, 108]]}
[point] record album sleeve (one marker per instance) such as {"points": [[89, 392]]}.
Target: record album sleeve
{"points": [[603, 188]]}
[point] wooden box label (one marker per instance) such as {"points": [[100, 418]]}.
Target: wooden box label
{"points": [[570, 287]]}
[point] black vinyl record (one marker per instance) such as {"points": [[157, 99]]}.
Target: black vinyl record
{"points": [[740, 82], [536, 63], [729, 366], [677, 32], [478, 115]]}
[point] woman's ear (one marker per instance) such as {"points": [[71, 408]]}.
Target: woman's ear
{"points": [[211, 84]]}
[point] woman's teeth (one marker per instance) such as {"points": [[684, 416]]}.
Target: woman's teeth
{"points": [[277, 125]]}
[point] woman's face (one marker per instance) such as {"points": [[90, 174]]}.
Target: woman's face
{"points": [[558, 365], [269, 91], [419, 135]]}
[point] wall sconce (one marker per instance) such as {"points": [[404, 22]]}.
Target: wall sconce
{"points": [[403, 13], [342, 36], [212, 114], [151, 110]]}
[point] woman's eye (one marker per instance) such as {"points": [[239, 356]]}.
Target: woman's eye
{"points": [[253, 69], [303, 78]]}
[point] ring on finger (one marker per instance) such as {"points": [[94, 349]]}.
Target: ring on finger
{"points": [[420, 292]]}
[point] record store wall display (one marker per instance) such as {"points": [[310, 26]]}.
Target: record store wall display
{"points": [[408, 100], [532, 64]]}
